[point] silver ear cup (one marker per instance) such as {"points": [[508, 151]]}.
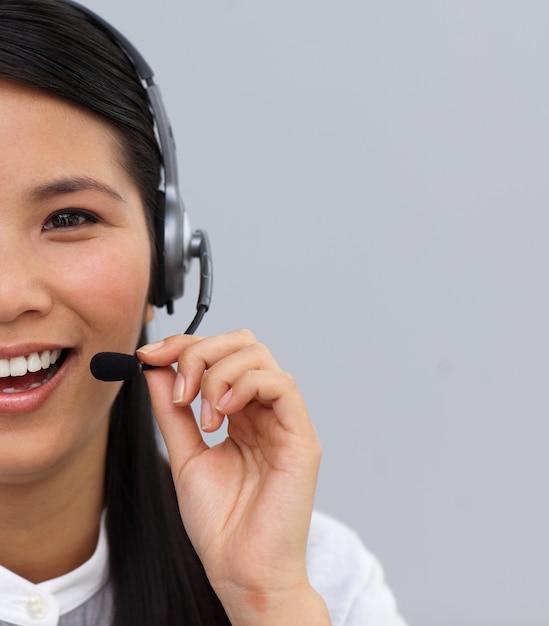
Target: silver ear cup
{"points": [[177, 249], [176, 235]]}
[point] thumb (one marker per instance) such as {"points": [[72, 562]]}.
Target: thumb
{"points": [[177, 424]]}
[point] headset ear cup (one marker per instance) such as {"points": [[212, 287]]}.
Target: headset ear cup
{"points": [[158, 283], [176, 247]]}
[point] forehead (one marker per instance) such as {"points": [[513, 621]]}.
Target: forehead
{"points": [[43, 136]]}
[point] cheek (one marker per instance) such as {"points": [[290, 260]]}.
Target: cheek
{"points": [[109, 284]]}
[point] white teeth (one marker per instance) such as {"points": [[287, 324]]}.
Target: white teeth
{"points": [[45, 359], [20, 365], [34, 362], [4, 368]]}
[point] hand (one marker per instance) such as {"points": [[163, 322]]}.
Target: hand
{"points": [[245, 503]]}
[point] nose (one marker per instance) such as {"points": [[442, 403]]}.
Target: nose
{"points": [[23, 289]]}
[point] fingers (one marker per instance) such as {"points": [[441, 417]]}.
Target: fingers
{"points": [[230, 371], [275, 390], [208, 365], [237, 377], [177, 424], [235, 372]]}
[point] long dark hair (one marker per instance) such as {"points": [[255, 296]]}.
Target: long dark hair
{"points": [[155, 573]]}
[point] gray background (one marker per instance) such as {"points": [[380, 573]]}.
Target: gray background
{"points": [[373, 177]]}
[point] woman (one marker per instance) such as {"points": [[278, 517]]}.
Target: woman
{"points": [[92, 530]]}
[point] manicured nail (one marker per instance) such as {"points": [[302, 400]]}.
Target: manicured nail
{"points": [[223, 401], [150, 347], [205, 415], [178, 388]]}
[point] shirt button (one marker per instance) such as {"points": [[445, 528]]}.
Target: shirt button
{"points": [[37, 607]]}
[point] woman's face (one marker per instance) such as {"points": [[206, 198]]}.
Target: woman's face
{"points": [[74, 279]]}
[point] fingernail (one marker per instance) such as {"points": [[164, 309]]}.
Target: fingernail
{"points": [[150, 347], [223, 401], [178, 388], [205, 415]]}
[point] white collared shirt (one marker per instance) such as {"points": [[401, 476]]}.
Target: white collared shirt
{"points": [[345, 574], [28, 604]]}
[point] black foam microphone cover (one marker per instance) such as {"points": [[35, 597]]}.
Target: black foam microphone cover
{"points": [[112, 366]]}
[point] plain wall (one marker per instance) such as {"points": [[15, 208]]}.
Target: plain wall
{"points": [[373, 178]]}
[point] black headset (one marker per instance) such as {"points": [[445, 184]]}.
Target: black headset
{"points": [[176, 244]]}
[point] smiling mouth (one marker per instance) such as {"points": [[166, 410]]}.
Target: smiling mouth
{"points": [[23, 373]]}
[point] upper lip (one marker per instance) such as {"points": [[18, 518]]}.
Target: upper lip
{"points": [[10, 352]]}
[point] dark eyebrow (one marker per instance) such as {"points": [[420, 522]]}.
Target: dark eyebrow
{"points": [[71, 185]]}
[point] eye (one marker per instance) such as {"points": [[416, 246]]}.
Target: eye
{"points": [[68, 219]]}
